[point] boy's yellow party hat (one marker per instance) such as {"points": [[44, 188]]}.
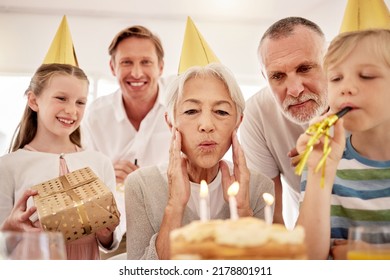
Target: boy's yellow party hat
{"points": [[365, 14], [62, 49], [195, 50]]}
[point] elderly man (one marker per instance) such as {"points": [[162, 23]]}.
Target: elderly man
{"points": [[291, 53]]}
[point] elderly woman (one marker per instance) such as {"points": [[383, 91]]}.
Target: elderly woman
{"points": [[205, 108]]}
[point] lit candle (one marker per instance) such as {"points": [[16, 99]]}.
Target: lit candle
{"points": [[232, 192], [269, 200], [203, 195]]}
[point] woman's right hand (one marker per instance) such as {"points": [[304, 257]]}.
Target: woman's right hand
{"points": [[19, 219], [178, 195], [178, 180]]}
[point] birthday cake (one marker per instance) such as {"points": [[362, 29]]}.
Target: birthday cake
{"points": [[244, 238]]}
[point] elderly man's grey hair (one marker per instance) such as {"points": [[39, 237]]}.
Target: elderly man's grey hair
{"points": [[217, 70]]}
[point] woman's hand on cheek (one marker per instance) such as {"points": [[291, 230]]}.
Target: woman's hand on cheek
{"points": [[178, 180], [241, 171], [240, 174]]}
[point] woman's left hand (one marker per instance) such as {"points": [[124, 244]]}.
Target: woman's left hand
{"points": [[240, 174]]}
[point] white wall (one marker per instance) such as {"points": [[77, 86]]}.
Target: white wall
{"points": [[26, 35], [231, 27], [26, 38]]}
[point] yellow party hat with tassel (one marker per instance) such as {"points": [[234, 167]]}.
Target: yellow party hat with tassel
{"points": [[62, 49], [365, 14], [195, 50]]}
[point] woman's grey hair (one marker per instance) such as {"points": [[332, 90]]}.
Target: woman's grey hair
{"points": [[217, 70]]}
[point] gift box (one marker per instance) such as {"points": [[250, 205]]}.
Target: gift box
{"points": [[76, 204]]}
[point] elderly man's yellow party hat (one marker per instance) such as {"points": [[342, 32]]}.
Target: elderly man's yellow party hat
{"points": [[365, 14], [62, 49], [195, 50]]}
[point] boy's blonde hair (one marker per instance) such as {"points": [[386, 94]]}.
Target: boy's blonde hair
{"points": [[344, 43]]}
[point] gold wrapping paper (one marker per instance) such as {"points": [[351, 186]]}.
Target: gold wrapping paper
{"points": [[316, 131], [76, 204]]}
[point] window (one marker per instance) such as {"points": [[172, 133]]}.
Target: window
{"points": [[12, 103]]}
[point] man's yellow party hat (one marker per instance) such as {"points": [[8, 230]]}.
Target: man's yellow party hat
{"points": [[195, 50], [365, 14], [62, 49]]}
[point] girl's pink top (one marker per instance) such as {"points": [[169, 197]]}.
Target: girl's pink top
{"points": [[85, 248]]}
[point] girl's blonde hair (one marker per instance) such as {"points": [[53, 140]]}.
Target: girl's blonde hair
{"points": [[344, 43], [27, 128]]}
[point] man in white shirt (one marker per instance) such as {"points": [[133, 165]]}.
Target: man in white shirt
{"points": [[128, 125], [291, 53]]}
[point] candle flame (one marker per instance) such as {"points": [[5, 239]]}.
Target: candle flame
{"points": [[204, 189], [233, 189], [268, 198]]}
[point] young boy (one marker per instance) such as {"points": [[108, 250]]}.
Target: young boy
{"points": [[357, 178]]}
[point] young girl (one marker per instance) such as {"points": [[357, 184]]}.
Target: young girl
{"points": [[47, 145], [357, 179]]}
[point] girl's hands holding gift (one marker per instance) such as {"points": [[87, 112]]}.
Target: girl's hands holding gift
{"points": [[19, 219], [105, 235]]}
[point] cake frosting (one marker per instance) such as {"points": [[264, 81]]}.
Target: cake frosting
{"points": [[245, 238]]}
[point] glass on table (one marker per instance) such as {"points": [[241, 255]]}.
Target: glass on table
{"points": [[32, 246], [369, 243]]}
